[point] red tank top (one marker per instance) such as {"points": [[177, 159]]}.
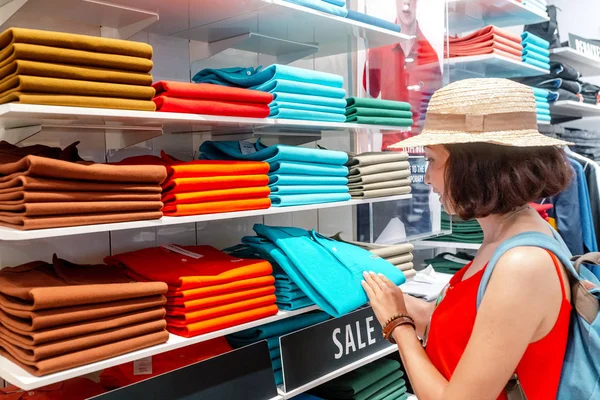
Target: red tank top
{"points": [[452, 323]]}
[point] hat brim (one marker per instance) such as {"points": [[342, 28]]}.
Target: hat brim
{"points": [[522, 138]]}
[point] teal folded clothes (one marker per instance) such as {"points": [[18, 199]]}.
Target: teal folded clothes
{"points": [[288, 296], [541, 93], [377, 112], [528, 37], [307, 107], [321, 5], [307, 168], [276, 362], [294, 87], [291, 305], [542, 105], [536, 63], [341, 3], [280, 327], [542, 117], [214, 150], [275, 353], [281, 286], [286, 180], [291, 113], [370, 20], [278, 377], [289, 200], [249, 77], [309, 99], [297, 189], [543, 112], [377, 103], [536, 49], [328, 271], [536, 56]]}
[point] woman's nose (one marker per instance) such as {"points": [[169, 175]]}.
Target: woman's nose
{"points": [[427, 177]]}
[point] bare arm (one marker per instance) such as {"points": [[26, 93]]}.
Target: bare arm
{"points": [[421, 312]]}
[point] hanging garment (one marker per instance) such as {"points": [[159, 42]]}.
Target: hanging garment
{"points": [[589, 236]]}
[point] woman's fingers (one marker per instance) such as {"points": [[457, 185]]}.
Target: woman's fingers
{"points": [[378, 281], [368, 278], [368, 290], [387, 282]]}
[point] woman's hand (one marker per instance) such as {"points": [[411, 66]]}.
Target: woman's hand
{"points": [[386, 299]]}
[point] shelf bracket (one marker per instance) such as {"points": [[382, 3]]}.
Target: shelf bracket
{"points": [[8, 8], [116, 139], [126, 31]]}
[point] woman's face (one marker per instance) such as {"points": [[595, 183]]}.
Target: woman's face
{"points": [[436, 157]]}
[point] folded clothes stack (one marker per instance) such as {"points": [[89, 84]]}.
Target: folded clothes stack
{"points": [[488, 40], [539, 6], [209, 187], [378, 112], [379, 380], [378, 174], [208, 289], [462, 231], [127, 374], [334, 7], [399, 255], [330, 261], [449, 263], [56, 316], [298, 175], [590, 93], [542, 104], [535, 50], [271, 333], [298, 93], [211, 99], [63, 69], [46, 187]]}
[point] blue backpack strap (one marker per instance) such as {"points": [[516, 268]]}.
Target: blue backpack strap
{"points": [[533, 239]]}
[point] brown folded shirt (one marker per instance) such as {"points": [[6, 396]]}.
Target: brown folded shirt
{"points": [[50, 70], [83, 207], [38, 285], [49, 168], [83, 357], [29, 223], [78, 101], [20, 196], [73, 41], [32, 52], [37, 321], [25, 182]]}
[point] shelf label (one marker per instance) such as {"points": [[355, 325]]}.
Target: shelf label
{"points": [[244, 373], [310, 353], [587, 47]]}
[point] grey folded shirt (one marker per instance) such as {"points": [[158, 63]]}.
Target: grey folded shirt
{"points": [[378, 168], [369, 194], [380, 177], [380, 185], [365, 159]]}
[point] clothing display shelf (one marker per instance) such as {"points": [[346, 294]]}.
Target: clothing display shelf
{"points": [[489, 65], [586, 65], [8, 234], [449, 245], [468, 15], [574, 109]]}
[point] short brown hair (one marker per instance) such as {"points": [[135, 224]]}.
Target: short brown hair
{"points": [[483, 179]]}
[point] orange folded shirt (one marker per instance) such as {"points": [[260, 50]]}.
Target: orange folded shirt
{"points": [[230, 287], [217, 195], [179, 306], [224, 322], [182, 320], [186, 185], [214, 207], [203, 266]]}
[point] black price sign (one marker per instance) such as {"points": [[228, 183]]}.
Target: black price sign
{"points": [[590, 48], [310, 353]]}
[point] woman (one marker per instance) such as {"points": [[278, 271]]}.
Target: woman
{"points": [[486, 161]]}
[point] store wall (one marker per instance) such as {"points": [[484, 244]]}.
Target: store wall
{"points": [[579, 17]]}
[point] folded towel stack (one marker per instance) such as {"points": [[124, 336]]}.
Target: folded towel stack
{"points": [[211, 99], [378, 174], [297, 176], [209, 187], [535, 50], [379, 380], [462, 231], [542, 104], [334, 7], [298, 93], [271, 333], [378, 112], [56, 188], [63, 69], [57, 316], [449, 263], [538, 6], [208, 289]]}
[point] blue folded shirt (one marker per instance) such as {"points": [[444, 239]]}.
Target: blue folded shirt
{"points": [[288, 200], [542, 105], [536, 56], [297, 189], [309, 99], [287, 86], [278, 180], [528, 37], [369, 20], [321, 5], [307, 168], [536, 49], [303, 115], [539, 92], [543, 117], [536, 63], [276, 105], [341, 3]]}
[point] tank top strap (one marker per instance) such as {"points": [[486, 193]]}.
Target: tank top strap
{"points": [[560, 275]]}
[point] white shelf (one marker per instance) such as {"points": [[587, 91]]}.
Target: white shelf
{"points": [[491, 65], [426, 244], [332, 375], [588, 66], [9, 234], [574, 109], [18, 376], [467, 15]]}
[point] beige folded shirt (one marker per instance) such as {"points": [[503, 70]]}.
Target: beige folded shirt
{"points": [[380, 177], [378, 168], [372, 158], [369, 194], [380, 185]]}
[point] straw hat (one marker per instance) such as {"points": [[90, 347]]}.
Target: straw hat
{"points": [[488, 110]]}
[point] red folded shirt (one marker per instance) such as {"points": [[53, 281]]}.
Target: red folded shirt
{"points": [[188, 185], [211, 107], [216, 195], [177, 306], [207, 91], [216, 207]]}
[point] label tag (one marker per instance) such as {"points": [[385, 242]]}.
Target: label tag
{"points": [[177, 249], [247, 147], [456, 259], [143, 366]]}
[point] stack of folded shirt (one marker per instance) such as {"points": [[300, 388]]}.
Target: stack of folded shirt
{"points": [[590, 93], [330, 261], [298, 175], [63, 69], [462, 231], [211, 99], [379, 380], [208, 187], [378, 174], [378, 112], [271, 333], [334, 7], [539, 6], [449, 263], [54, 188], [298, 93], [542, 104], [535, 50], [399, 255], [488, 40], [208, 290], [562, 82], [370, 20], [61, 315]]}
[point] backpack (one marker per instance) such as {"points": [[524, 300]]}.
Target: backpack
{"points": [[547, 30], [580, 378]]}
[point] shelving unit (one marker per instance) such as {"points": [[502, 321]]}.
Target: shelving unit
{"points": [[491, 65], [588, 66], [574, 109]]}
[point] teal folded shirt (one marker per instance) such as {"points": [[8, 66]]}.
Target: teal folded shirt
{"points": [[540, 105], [307, 107], [286, 180], [536, 49], [289, 200], [291, 305], [297, 189], [528, 37], [309, 99], [303, 115], [536, 63], [293, 87], [377, 103], [321, 5], [281, 327], [536, 56], [306, 168]]}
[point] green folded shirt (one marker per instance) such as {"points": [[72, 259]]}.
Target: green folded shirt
{"points": [[377, 112], [377, 103], [390, 392], [380, 121]]}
